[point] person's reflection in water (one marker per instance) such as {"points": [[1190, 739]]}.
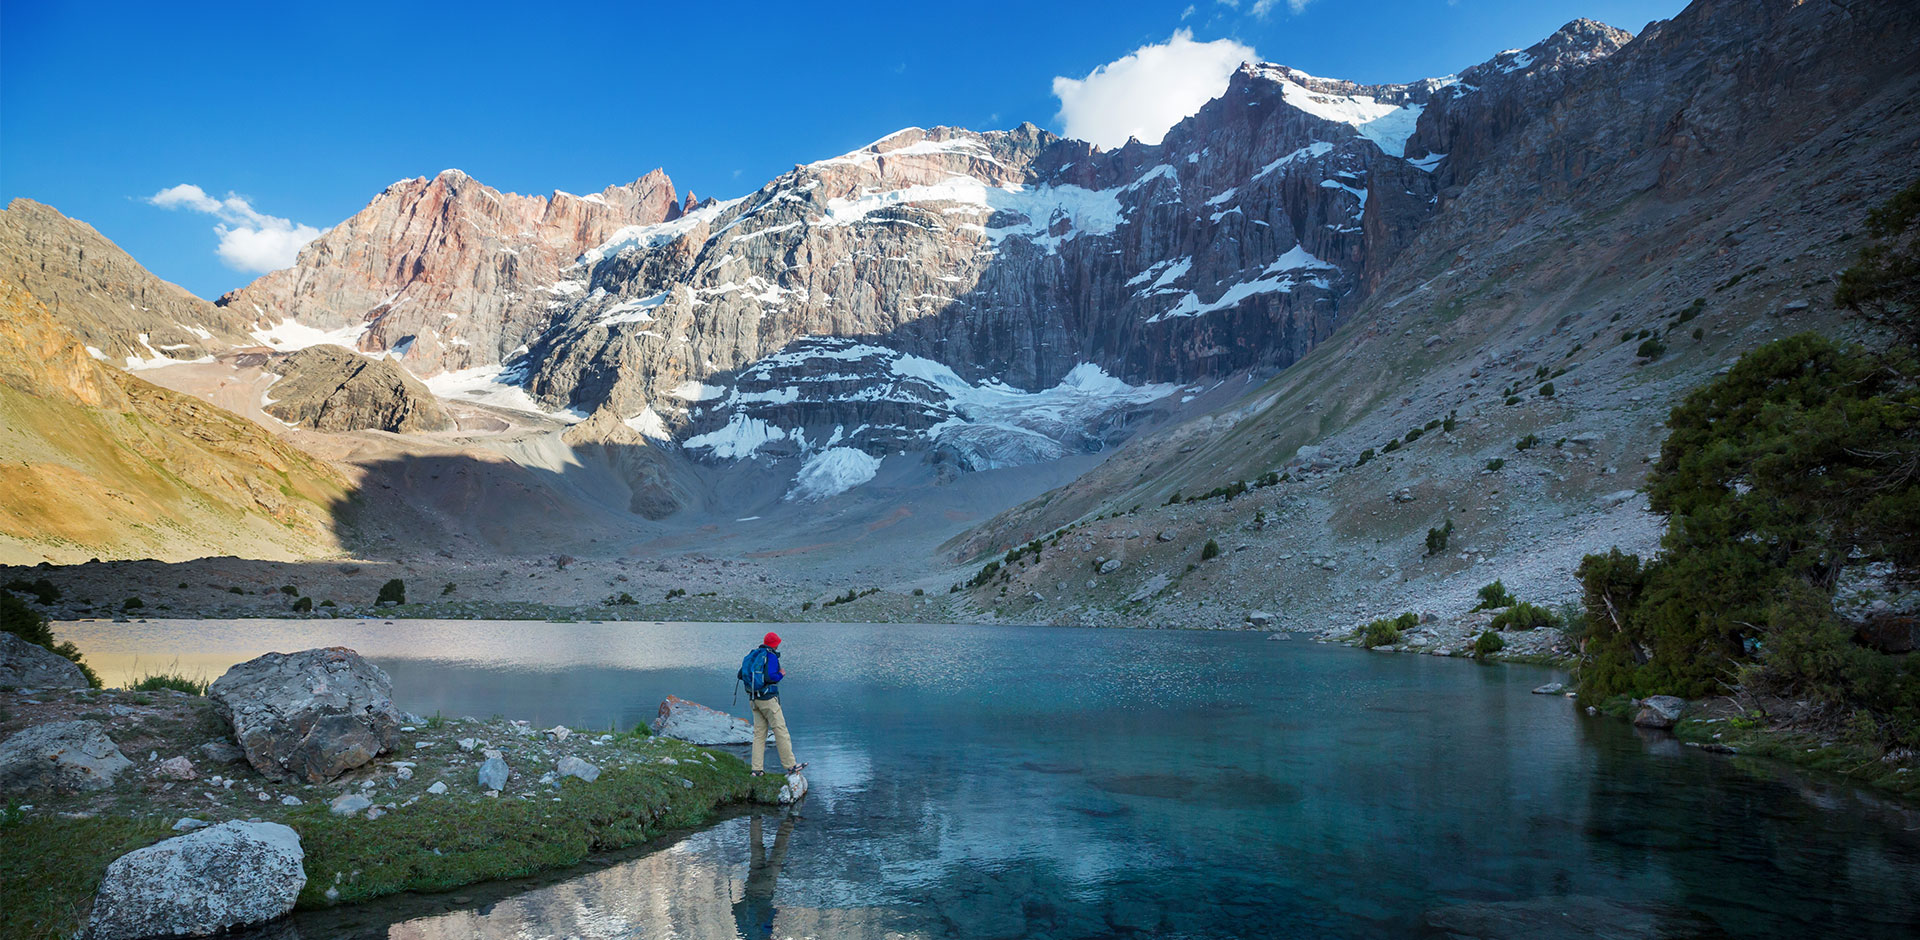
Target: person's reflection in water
{"points": [[753, 913]]}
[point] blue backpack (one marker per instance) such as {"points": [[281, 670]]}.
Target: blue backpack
{"points": [[753, 672]]}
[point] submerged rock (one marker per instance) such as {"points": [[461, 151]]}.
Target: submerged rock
{"points": [[25, 665], [63, 755], [216, 878], [697, 724], [309, 715], [1551, 688]]}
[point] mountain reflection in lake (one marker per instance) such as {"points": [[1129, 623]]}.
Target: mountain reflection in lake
{"points": [[711, 885], [1042, 782]]}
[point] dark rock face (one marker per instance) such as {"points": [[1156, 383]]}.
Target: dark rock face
{"points": [[309, 715], [332, 388], [26, 665], [1890, 633]]}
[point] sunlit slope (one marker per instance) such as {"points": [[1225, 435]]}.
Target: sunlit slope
{"points": [[97, 463]]}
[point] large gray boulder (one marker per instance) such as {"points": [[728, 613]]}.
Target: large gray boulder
{"points": [[695, 723], [309, 715], [206, 881], [26, 665], [61, 755], [1659, 711]]}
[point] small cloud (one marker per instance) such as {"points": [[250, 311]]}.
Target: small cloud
{"points": [[249, 240], [1186, 13], [736, 173], [1146, 92]]}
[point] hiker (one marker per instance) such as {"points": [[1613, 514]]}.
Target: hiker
{"points": [[761, 674]]}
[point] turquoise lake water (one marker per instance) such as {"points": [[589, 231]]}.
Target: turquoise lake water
{"points": [[1047, 782]]}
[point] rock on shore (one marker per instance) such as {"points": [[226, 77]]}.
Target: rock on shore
{"points": [[26, 665], [63, 755], [697, 724], [209, 880], [309, 715]]}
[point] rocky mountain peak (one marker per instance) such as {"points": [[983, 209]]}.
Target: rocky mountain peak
{"points": [[448, 273], [120, 310]]}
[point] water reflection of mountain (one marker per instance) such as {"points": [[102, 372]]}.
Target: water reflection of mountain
{"points": [[691, 890]]}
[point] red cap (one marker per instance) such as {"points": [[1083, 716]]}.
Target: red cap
{"points": [[772, 641]]}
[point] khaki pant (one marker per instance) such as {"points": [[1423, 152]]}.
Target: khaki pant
{"points": [[766, 714]]}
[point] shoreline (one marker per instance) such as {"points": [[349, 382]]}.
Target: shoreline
{"points": [[420, 822]]}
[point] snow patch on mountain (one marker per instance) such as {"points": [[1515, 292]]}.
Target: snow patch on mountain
{"points": [[1386, 124], [739, 439], [496, 386], [833, 471], [1037, 208], [291, 335], [1282, 276], [656, 235]]}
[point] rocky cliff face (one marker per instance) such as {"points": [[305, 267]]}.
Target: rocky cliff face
{"points": [[331, 388], [940, 290], [1698, 187], [115, 306], [447, 271]]}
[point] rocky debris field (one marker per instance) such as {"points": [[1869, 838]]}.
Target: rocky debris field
{"points": [[445, 802]]}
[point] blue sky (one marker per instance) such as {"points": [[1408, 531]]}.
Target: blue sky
{"points": [[305, 111]]}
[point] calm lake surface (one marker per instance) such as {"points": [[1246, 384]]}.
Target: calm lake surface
{"points": [[1049, 782]]}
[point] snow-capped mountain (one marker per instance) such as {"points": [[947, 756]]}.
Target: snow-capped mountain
{"points": [[989, 298]]}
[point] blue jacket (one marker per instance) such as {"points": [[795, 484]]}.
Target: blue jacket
{"points": [[774, 675]]}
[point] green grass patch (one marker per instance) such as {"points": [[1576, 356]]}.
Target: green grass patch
{"points": [[439, 843], [52, 866]]}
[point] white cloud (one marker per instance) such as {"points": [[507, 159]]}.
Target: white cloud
{"points": [[1261, 8], [1146, 92], [249, 240]]}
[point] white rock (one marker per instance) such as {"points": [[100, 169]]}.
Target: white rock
{"points": [[575, 767], [698, 724], [559, 732], [795, 788], [220, 877], [468, 744], [291, 800], [176, 768], [347, 804], [439, 787], [188, 824], [494, 774]]}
